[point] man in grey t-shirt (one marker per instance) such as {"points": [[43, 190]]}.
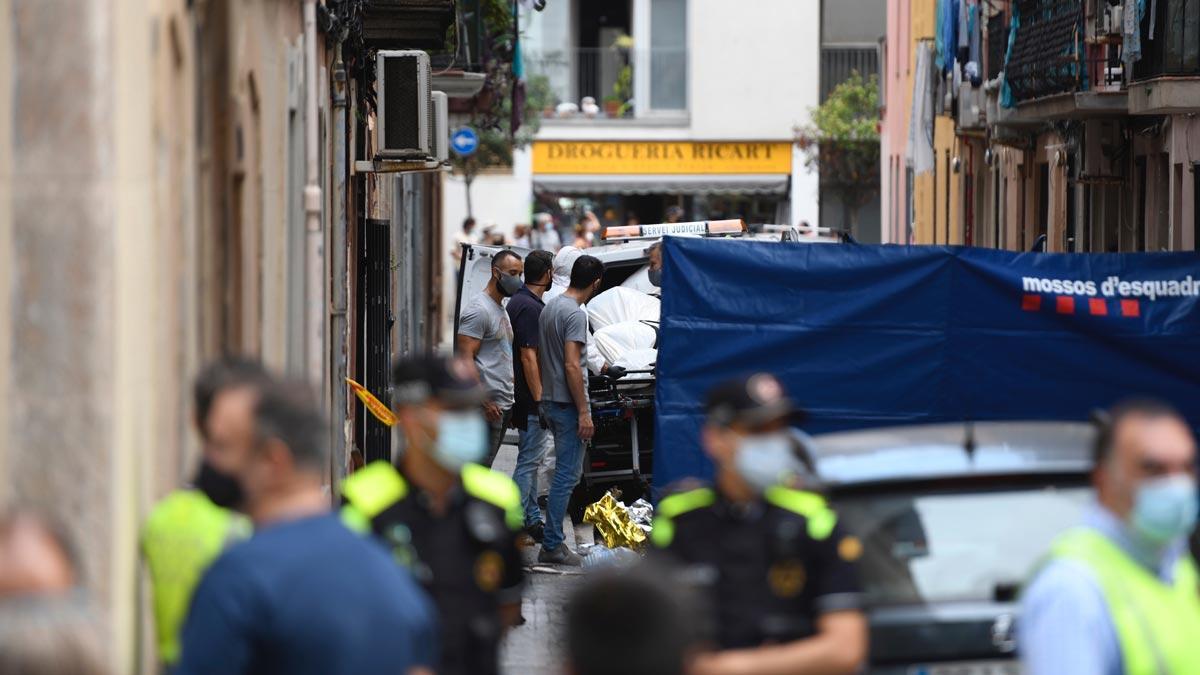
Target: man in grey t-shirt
{"points": [[485, 340], [562, 362]]}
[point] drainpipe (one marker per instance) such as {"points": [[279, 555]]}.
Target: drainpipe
{"points": [[338, 326], [314, 309]]}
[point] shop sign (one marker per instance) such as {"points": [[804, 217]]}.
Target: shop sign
{"points": [[661, 157]]}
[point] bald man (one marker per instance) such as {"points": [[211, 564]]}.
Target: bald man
{"points": [[34, 557]]}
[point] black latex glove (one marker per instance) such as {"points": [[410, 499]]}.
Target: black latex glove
{"points": [[615, 372], [541, 413]]}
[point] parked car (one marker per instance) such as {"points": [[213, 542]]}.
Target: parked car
{"points": [[953, 519]]}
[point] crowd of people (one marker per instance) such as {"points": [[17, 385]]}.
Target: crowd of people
{"points": [[544, 234], [419, 569]]}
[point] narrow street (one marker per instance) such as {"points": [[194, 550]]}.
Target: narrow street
{"points": [[536, 647]]}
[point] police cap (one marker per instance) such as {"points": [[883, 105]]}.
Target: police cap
{"points": [[753, 401], [448, 381]]}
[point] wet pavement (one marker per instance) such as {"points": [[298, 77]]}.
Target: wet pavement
{"points": [[536, 647]]}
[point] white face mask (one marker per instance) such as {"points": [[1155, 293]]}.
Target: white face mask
{"points": [[765, 460]]}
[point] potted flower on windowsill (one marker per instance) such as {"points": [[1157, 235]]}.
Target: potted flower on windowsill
{"points": [[612, 105]]}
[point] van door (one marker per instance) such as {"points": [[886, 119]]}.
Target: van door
{"points": [[474, 271]]}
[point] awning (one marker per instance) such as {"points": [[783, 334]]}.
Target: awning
{"points": [[639, 184]]}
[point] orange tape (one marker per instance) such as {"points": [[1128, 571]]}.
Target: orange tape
{"points": [[377, 408]]}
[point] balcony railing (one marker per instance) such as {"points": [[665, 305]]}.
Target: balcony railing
{"points": [[997, 28], [1046, 56], [838, 62], [603, 82], [1175, 49]]}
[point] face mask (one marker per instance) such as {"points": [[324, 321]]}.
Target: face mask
{"points": [[509, 284], [1165, 508], [655, 278], [766, 460], [461, 439], [221, 488]]}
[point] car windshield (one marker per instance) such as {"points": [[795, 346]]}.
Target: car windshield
{"points": [[956, 546]]}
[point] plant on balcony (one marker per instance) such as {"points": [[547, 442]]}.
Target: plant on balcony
{"points": [[492, 113], [617, 104], [842, 143]]}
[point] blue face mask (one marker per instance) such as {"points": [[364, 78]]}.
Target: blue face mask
{"points": [[655, 277], [461, 439], [765, 460], [1165, 508]]}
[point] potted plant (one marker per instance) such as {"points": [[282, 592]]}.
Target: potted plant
{"points": [[612, 105]]}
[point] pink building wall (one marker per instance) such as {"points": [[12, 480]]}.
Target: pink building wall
{"points": [[897, 78]]}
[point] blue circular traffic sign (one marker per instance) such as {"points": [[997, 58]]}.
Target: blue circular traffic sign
{"points": [[464, 141]]}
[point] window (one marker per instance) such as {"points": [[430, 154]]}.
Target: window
{"points": [[668, 54], [917, 545]]}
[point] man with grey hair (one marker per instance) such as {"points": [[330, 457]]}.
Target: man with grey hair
{"points": [[305, 594], [544, 235], [51, 635]]}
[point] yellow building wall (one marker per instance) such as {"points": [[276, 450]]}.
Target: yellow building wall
{"points": [[937, 196], [923, 23]]}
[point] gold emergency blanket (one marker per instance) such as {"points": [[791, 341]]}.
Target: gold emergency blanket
{"points": [[612, 521]]}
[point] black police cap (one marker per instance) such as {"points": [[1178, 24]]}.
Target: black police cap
{"points": [[752, 401], [449, 381]]}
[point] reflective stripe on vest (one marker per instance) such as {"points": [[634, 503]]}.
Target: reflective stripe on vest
{"points": [[183, 536], [821, 519], [496, 489], [373, 488], [663, 531], [1157, 625]]}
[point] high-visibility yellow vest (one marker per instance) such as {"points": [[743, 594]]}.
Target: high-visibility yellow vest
{"points": [[183, 536], [821, 518], [1158, 625], [374, 488]]}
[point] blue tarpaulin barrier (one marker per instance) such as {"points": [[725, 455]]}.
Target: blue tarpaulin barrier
{"points": [[867, 336]]}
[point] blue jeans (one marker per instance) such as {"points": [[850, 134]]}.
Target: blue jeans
{"points": [[531, 448], [564, 423]]}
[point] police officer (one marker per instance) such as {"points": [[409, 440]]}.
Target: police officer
{"points": [[190, 527], [451, 521], [1120, 592], [775, 567]]}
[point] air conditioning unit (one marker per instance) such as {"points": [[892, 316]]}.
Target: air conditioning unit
{"points": [[404, 105], [972, 108], [440, 127]]}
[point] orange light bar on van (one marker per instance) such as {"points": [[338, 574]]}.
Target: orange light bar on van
{"points": [[726, 227], [623, 232]]}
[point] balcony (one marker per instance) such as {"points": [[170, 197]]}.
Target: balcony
{"points": [[839, 62], [1045, 57], [1065, 63], [1166, 80], [612, 84], [406, 24]]}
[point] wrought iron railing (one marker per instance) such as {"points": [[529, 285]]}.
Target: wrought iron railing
{"points": [[997, 27], [839, 62], [1047, 56], [601, 82]]}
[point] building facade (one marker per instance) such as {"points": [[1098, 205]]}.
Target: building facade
{"points": [[661, 103], [1059, 124], [191, 178]]}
